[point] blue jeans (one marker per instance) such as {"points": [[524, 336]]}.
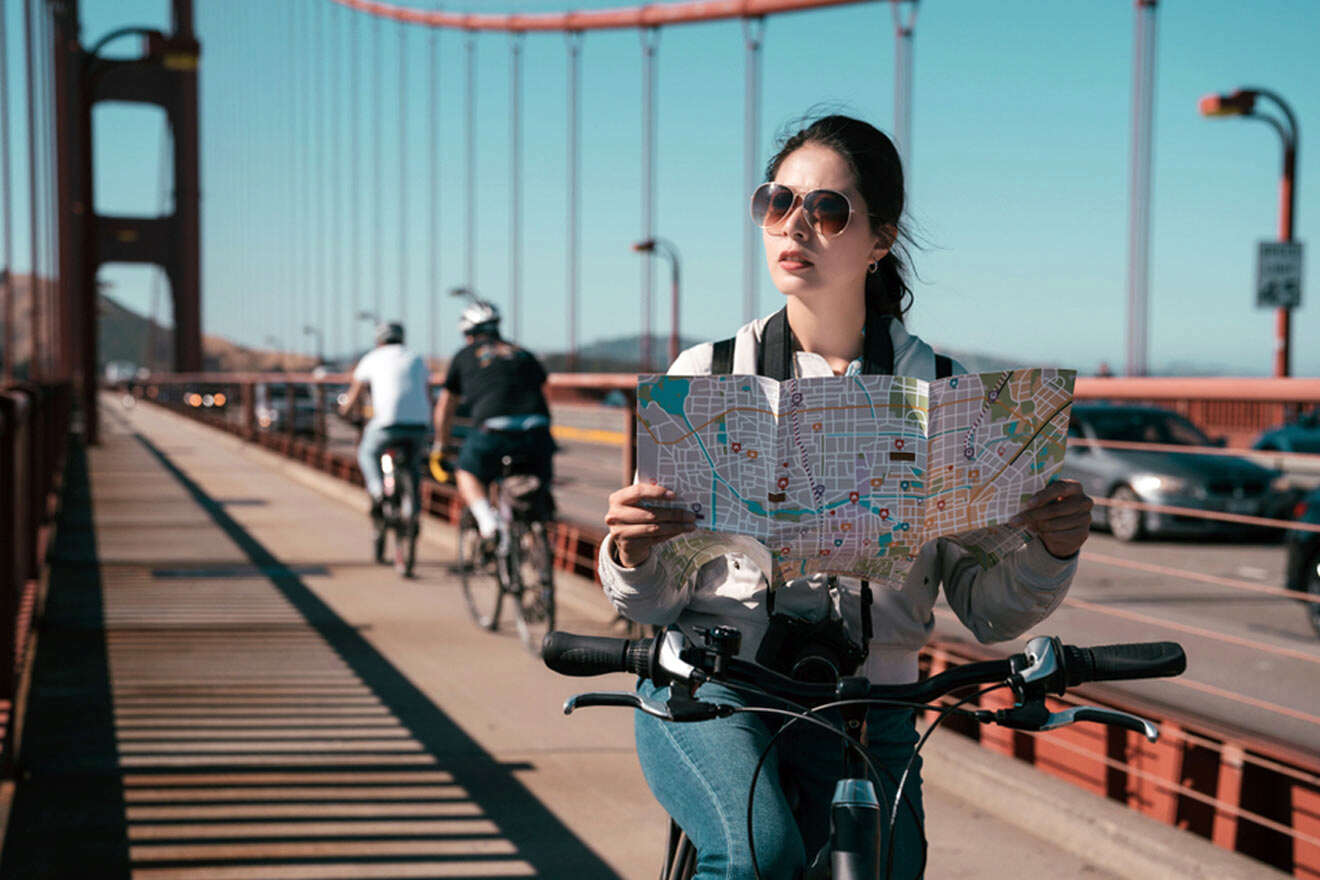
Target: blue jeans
{"points": [[375, 440], [700, 773]]}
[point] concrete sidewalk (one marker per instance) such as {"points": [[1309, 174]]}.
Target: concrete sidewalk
{"points": [[227, 688]]}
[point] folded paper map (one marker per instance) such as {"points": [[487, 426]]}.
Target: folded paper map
{"points": [[850, 475]]}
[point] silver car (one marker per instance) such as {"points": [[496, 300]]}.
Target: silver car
{"points": [[1200, 481]]}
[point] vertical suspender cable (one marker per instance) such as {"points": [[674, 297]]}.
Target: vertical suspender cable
{"points": [[377, 209], [291, 286], [43, 184], [574, 161], [245, 183], [336, 182], [319, 138], [470, 183], [903, 31], [297, 145], [515, 179], [432, 201], [34, 304], [1143, 91], [403, 172], [753, 32], [650, 38], [354, 172], [6, 205]]}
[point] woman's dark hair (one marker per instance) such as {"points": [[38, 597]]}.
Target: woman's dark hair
{"points": [[879, 175]]}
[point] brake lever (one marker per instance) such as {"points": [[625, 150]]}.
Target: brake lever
{"points": [[1114, 717], [1033, 716], [678, 708], [617, 698]]}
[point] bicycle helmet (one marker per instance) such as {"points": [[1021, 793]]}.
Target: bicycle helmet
{"points": [[389, 333], [480, 316]]}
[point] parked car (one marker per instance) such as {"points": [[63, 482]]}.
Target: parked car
{"points": [[1174, 479], [1303, 571], [1301, 435], [272, 407]]}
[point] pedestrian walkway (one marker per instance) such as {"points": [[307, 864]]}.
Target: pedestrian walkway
{"points": [[225, 687]]}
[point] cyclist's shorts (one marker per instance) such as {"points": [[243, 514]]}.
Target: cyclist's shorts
{"points": [[484, 449]]}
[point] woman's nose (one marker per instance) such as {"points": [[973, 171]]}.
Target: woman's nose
{"points": [[796, 224]]}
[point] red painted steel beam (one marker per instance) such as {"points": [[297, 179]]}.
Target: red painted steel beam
{"points": [[1288, 390], [657, 15]]}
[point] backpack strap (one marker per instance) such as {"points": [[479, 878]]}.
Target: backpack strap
{"points": [[774, 356], [722, 359], [943, 366]]}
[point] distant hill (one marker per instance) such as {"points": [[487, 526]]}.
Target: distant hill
{"points": [[124, 336]]}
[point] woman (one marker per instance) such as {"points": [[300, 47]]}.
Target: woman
{"points": [[830, 220]]}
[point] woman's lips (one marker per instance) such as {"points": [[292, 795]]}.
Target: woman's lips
{"points": [[794, 261]]}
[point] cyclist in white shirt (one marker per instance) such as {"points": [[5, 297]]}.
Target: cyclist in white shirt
{"points": [[401, 406]]}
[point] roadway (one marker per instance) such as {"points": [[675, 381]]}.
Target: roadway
{"points": [[225, 687]]}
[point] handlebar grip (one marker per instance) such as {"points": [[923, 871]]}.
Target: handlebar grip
{"points": [[570, 654], [1123, 662]]}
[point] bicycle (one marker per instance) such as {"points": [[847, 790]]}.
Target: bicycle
{"points": [[519, 564], [853, 852], [400, 506]]}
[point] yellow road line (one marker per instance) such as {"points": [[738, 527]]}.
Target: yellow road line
{"points": [[588, 435]]}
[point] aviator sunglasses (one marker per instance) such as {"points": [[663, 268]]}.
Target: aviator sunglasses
{"points": [[827, 211]]}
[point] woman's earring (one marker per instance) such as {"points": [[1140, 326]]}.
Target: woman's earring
{"points": [[873, 267]]}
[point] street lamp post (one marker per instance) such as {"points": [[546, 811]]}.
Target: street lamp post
{"points": [[1243, 103], [276, 346], [669, 252], [309, 330]]}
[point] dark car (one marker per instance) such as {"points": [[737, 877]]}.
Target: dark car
{"points": [[1302, 435], [1174, 479], [1304, 555]]}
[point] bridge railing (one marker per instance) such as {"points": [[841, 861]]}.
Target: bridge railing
{"points": [[34, 423]]}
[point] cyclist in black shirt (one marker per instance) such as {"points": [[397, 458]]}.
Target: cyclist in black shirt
{"points": [[502, 382]]}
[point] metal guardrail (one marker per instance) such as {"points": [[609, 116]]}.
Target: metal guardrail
{"points": [[34, 424]]}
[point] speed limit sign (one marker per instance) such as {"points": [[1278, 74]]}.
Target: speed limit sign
{"points": [[1279, 274]]}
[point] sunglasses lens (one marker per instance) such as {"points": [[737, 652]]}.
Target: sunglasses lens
{"points": [[828, 210], [770, 204]]}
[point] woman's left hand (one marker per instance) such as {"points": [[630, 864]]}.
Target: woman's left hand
{"points": [[1059, 515]]}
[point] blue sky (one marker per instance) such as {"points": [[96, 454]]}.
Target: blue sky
{"points": [[1019, 178]]}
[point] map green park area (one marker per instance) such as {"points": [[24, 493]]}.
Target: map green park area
{"points": [[851, 475]]}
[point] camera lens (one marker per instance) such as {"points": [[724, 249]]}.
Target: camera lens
{"points": [[815, 669]]}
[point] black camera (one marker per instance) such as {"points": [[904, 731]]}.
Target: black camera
{"points": [[812, 651]]}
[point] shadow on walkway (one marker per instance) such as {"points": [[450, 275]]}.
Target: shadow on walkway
{"points": [[263, 764]]}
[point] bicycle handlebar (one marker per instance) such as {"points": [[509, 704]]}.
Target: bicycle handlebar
{"points": [[1046, 666]]}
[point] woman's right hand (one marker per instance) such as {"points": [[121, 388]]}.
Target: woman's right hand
{"points": [[636, 525]]}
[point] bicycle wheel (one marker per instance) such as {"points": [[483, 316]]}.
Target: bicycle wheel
{"points": [[380, 528], [405, 528], [535, 588], [478, 567]]}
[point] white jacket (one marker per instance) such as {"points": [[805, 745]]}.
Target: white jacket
{"points": [[996, 604]]}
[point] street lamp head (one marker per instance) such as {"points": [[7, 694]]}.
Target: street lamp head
{"points": [[1239, 103], [644, 247], [368, 316], [462, 291], [309, 329]]}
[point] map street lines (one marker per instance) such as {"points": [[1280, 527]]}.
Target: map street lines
{"points": [[851, 475]]}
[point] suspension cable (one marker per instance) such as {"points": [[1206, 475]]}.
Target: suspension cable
{"points": [[753, 37], [574, 158], [34, 304], [6, 206], [470, 112], [515, 178], [650, 40], [336, 182], [354, 175], [403, 173], [378, 155], [433, 199]]}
